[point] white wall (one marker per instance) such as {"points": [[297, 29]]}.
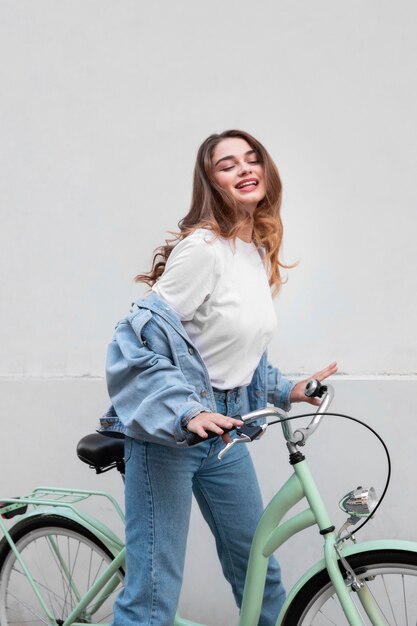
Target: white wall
{"points": [[103, 105]]}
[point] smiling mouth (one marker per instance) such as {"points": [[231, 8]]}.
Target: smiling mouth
{"points": [[247, 183]]}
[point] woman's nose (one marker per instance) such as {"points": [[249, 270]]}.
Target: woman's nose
{"points": [[244, 168]]}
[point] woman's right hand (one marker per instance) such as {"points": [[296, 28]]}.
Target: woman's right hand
{"points": [[213, 422]]}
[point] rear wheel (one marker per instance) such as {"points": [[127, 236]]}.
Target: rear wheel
{"points": [[64, 559], [391, 577]]}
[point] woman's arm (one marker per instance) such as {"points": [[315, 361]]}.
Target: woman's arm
{"points": [[279, 388], [282, 392], [150, 394]]}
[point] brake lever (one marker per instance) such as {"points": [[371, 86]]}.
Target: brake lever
{"points": [[245, 434]]}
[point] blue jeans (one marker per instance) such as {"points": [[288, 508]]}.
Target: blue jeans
{"points": [[160, 481]]}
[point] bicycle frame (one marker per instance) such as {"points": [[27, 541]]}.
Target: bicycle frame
{"points": [[271, 533]]}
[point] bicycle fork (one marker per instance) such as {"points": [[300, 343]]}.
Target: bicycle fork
{"points": [[332, 556], [271, 533]]}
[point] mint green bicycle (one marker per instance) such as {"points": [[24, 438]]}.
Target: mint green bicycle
{"points": [[61, 567]]}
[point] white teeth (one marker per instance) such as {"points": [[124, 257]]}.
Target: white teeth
{"points": [[251, 182]]}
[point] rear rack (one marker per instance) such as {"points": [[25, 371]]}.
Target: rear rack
{"points": [[54, 497]]}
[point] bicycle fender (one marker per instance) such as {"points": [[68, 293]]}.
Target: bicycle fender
{"points": [[97, 528], [366, 546]]}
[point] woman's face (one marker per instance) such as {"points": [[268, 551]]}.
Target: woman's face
{"points": [[237, 170]]}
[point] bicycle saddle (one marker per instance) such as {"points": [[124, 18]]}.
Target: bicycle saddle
{"points": [[101, 453]]}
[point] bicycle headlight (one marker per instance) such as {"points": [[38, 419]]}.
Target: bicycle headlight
{"points": [[360, 502]]}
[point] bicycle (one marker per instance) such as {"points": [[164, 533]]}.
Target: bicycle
{"points": [[61, 567]]}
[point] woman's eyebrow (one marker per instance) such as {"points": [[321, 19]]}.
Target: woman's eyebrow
{"points": [[231, 156]]}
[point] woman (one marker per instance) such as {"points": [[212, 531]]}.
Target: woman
{"points": [[186, 360]]}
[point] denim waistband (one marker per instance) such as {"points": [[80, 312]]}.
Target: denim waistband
{"points": [[227, 395]]}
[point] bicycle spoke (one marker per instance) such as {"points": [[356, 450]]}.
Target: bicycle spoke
{"points": [[40, 585], [60, 569], [358, 608], [30, 609], [53, 601], [68, 582], [389, 599], [89, 569], [328, 620], [405, 601], [20, 621], [378, 604], [109, 614], [97, 572]]}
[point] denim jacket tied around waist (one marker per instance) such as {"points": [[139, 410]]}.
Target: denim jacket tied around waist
{"points": [[157, 380]]}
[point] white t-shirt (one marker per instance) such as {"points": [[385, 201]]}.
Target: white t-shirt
{"points": [[221, 293]]}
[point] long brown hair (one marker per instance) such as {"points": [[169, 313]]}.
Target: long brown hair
{"points": [[213, 208]]}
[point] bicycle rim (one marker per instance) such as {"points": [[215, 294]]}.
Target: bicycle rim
{"points": [[64, 560], [391, 578]]}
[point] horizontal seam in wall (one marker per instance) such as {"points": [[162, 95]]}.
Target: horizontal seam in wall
{"points": [[293, 376], [387, 376], [50, 377]]}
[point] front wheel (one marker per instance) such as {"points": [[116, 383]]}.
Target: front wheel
{"points": [[64, 559], [391, 577]]}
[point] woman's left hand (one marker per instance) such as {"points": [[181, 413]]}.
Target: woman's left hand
{"points": [[298, 391]]}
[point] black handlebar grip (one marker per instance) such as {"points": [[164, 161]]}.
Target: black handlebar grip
{"points": [[193, 439]]}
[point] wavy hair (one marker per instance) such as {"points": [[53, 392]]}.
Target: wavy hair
{"points": [[213, 208]]}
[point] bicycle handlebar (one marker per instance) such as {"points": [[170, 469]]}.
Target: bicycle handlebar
{"points": [[300, 435], [297, 437]]}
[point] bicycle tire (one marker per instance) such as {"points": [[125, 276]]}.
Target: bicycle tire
{"points": [[386, 572], [48, 544]]}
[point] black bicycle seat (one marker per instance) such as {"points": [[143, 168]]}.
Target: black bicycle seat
{"points": [[101, 452]]}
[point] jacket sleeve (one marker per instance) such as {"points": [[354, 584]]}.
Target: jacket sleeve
{"points": [[279, 388], [149, 393]]}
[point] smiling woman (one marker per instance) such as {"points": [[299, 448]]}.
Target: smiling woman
{"points": [[184, 364], [237, 192]]}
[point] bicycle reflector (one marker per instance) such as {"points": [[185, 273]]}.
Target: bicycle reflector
{"points": [[12, 509], [360, 502]]}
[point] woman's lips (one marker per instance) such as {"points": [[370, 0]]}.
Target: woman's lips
{"points": [[246, 185]]}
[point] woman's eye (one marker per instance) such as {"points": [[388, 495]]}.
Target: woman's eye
{"points": [[226, 169], [254, 162]]}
